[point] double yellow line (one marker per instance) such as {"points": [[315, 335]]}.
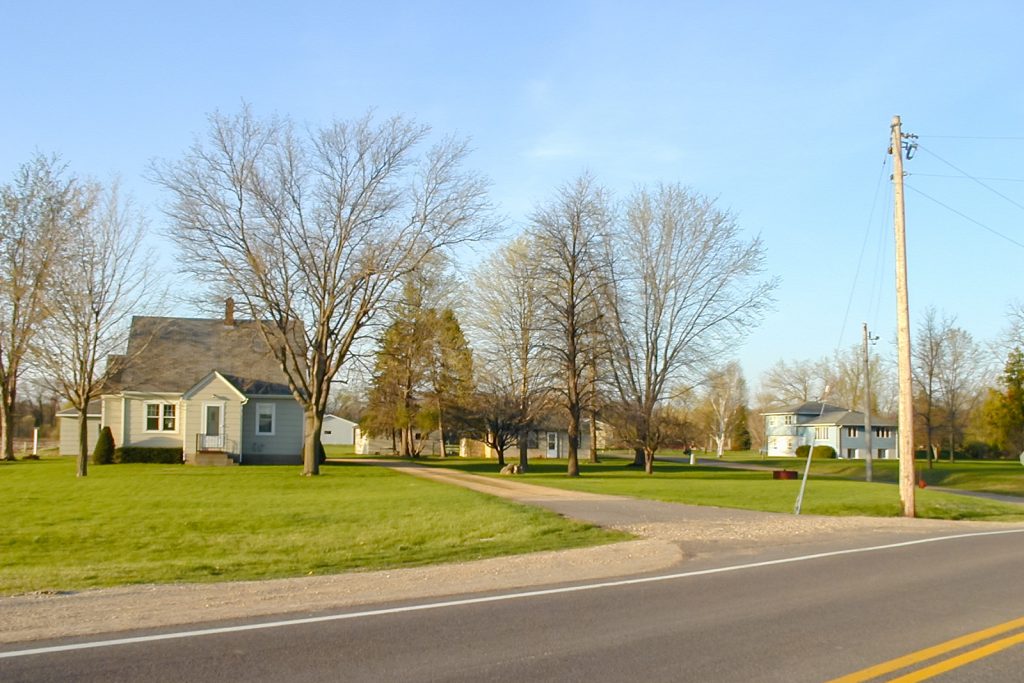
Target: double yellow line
{"points": [[939, 650]]}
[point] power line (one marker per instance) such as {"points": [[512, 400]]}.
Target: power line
{"points": [[863, 248], [968, 175], [966, 217], [960, 177], [974, 137]]}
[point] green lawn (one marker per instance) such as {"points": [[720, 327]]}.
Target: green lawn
{"points": [[172, 523], [699, 485], [991, 476]]}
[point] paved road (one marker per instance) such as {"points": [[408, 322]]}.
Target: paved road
{"points": [[813, 619]]}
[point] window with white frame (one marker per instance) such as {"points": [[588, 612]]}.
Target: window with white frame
{"points": [[161, 417], [851, 431], [821, 432], [883, 432], [265, 419], [788, 419]]}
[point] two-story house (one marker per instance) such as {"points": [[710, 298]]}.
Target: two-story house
{"points": [[820, 424]]}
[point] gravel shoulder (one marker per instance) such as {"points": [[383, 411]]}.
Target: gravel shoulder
{"points": [[669, 535]]}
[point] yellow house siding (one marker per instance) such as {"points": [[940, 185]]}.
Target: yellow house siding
{"points": [[213, 390]]}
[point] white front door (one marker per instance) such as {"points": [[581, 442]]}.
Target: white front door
{"points": [[552, 444], [213, 425]]}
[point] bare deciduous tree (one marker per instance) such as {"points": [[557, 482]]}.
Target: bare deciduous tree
{"points": [[36, 210], [312, 230], [959, 382], [103, 279], [570, 233], [505, 323], [725, 392], [684, 290], [928, 357], [790, 383]]}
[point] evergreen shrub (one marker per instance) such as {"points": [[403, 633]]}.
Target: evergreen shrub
{"points": [[103, 453]]}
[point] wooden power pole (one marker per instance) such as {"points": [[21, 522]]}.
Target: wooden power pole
{"points": [[867, 405], [906, 413]]}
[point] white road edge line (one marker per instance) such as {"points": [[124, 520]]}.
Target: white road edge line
{"points": [[491, 598]]}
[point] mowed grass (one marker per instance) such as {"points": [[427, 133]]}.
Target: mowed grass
{"points": [[1005, 477], [700, 485], [126, 524]]}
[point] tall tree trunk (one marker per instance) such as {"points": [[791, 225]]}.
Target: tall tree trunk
{"points": [[7, 420], [593, 436], [440, 426], [524, 445], [648, 461], [638, 457], [312, 450], [83, 442], [574, 445]]}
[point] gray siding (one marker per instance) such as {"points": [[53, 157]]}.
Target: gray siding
{"points": [[68, 427], [285, 445], [112, 418]]}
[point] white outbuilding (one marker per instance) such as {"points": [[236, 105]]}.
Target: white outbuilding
{"points": [[337, 431]]}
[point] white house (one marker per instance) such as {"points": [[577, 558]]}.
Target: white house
{"points": [[821, 424]]}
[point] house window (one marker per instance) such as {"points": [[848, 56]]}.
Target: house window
{"points": [[821, 432], [788, 419], [851, 431], [265, 418], [883, 432], [851, 453], [531, 439], [161, 417]]}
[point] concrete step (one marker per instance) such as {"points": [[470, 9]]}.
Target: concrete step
{"points": [[211, 459]]}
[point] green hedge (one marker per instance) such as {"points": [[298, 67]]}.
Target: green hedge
{"points": [[163, 456], [820, 452]]}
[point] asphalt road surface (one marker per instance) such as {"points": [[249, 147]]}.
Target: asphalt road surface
{"points": [[950, 608]]}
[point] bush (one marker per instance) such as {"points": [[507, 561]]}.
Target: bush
{"points": [[979, 450], [103, 453], [820, 452], [137, 454]]}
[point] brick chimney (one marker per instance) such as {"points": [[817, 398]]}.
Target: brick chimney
{"points": [[229, 312]]}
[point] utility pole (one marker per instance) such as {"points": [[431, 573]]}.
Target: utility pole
{"points": [[906, 413], [868, 339]]}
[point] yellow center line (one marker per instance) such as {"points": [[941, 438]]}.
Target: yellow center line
{"points": [[932, 652], [960, 660]]}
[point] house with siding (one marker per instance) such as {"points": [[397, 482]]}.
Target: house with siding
{"points": [[820, 424], [210, 387], [548, 440], [67, 426]]}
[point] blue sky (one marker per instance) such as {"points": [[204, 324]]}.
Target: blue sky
{"points": [[781, 110]]}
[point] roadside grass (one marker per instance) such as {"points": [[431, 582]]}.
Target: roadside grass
{"points": [[127, 524], [750, 490], [1005, 477]]}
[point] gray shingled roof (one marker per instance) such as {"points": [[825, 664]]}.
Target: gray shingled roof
{"points": [[849, 418], [808, 408], [173, 354], [92, 410]]}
